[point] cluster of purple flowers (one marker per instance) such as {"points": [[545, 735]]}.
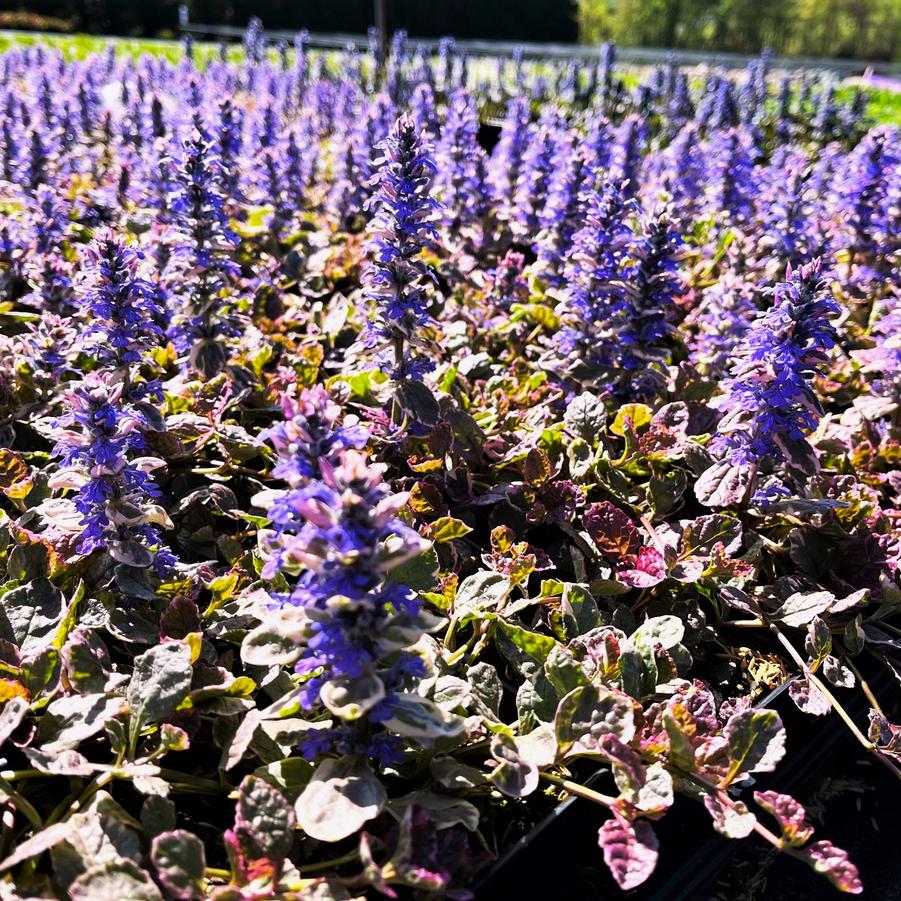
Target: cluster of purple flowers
{"points": [[595, 262], [201, 264], [336, 529], [460, 179], [401, 228], [100, 438], [649, 289], [99, 441], [770, 398], [123, 310]]}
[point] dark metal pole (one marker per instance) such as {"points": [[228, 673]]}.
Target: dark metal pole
{"points": [[381, 25]]}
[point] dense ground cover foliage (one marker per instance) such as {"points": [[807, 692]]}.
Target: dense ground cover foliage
{"points": [[371, 479]]}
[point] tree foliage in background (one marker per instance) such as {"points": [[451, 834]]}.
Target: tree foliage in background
{"points": [[866, 29]]}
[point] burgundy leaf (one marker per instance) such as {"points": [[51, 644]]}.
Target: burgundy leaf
{"points": [[613, 532], [790, 815], [834, 863], [649, 569], [630, 850]]}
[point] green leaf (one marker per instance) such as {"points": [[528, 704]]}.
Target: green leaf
{"points": [[682, 752], [665, 630], [587, 714], [563, 670], [800, 608], [579, 609], [585, 418], [37, 844], [724, 485], [416, 717], [416, 400], [278, 640], [160, 682], [581, 459], [30, 615], [818, 642], [478, 593], [157, 815], [756, 742], [419, 572], [538, 313], [532, 644], [447, 528], [700, 535], [639, 414], [536, 701], [350, 699], [27, 562], [290, 775], [514, 775]]}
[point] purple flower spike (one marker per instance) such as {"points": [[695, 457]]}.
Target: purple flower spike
{"points": [[400, 230]]}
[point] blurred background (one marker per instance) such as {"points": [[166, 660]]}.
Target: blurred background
{"points": [[857, 29]]}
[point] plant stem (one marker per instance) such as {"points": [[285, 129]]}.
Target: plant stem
{"points": [[822, 688], [325, 864], [865, 687], [195, 781], [8, 793], [580, 791], [216, 873]]}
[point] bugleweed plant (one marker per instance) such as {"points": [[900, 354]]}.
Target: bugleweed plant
{"points": [[372, 481]]}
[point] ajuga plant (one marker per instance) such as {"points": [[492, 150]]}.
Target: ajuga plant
{"points": [[717, 325], [396, 277], [870, 217], [507, 157], [532, 183], [99, 448], [335, 533], [585, 343], [100, 438], [508, 284], [201, 268], [45, 265], [122, 312], [770, 402], [641, 324], [460, 179], [561, 216]]}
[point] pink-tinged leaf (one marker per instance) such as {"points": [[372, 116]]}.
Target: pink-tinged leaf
{"points": [[630, 850], [886, 735], [789, 814], [613, 532], [724, 484], [649, 569], [756, 742], [733, 820], [834, 863], [514, 775], [808, 697], [628, 769]]}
